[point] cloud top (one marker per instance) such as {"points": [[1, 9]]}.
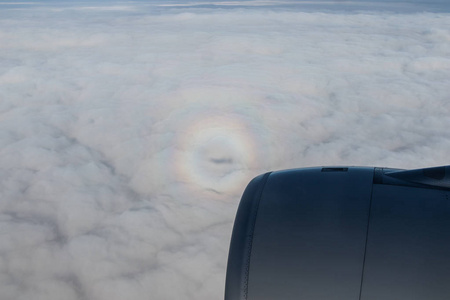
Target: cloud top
{"points": [[128, 132]]}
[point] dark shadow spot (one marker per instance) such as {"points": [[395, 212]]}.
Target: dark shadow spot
{"points": [[221, 160]]}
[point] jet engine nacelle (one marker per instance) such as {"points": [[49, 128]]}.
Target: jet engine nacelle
{"points": [[336, 233]]}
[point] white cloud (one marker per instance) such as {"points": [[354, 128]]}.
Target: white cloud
{"points": [[129, 132]]}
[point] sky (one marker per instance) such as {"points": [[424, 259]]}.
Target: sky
{"points": [[129, 129]]}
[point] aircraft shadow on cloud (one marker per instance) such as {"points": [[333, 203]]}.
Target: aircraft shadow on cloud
{"points": [[342, 233]]}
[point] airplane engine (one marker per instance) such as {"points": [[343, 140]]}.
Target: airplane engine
{"points": [[335, 233]]}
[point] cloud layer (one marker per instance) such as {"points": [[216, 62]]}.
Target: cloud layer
{"points": [[129, 131]]}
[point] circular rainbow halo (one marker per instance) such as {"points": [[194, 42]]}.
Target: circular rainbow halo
{"points": [[216, 153]]}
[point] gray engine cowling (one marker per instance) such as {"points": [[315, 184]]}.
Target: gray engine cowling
{"points": [[335, 233]]}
